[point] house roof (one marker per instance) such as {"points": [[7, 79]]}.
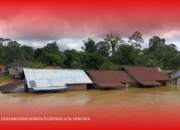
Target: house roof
{"points": [[53, 67], [47, 79], [106, 85], [149, 83], [19, 63], [146, 74], [3, 69], [110, 78], [11, 86], [167, 71], [49, 67], [57, 67]]}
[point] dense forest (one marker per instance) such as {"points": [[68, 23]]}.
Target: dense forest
{"points": [[111, 53]]}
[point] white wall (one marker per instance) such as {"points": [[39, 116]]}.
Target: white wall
{"points": [[176, 74], [127, 85], [178, 81]]}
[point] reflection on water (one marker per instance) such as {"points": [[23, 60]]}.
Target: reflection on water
{"points": [[126, 103]]}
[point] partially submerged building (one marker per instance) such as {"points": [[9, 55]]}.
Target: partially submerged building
{"points": [[52, 80], [147, 76], [110, 79], [168, 72], [12, 86], [15, 69], [175, 76]]}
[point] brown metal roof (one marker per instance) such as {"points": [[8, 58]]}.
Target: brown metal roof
{"points": [[149, 74], [57, 67], [149, 83], [167, 71], [106, 85], [11, 86], [110, 78], [20, 63]]}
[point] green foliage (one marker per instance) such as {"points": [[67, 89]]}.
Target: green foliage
{"points": [[147, 61], [103, 48], [114, 40], [136, 39], [36, 64], [155, 42], [51, 48], [89, 46], [109, 54], [125, 54], [5, 77], [108, 66], [50, 55], [12, 50]]}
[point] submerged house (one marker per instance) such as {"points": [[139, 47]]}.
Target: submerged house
{"points": [[15, 69], [110, 79], [147, 76], [52, 80], [175, 76], [168, 72]]}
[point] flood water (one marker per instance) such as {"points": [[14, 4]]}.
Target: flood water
{"points": [[125, 104]]}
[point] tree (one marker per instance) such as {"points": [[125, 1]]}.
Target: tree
{"points": [[164, 54], [114, 40], [94, 61], [157, 41], [147, 61], [125, 55], [103, 48], [50, 54], [38, 52], [90, 46], [28, 52], [136, 39], [174, 62], [70, 55], [52, 48], [108, 66], [75, 65], [36, 64]]}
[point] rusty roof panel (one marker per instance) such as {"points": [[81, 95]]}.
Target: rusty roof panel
{"points": [[110, 77], [11, 86], [147, 74], [57, 67], [167, 71], [104, 85], [149, 83]]}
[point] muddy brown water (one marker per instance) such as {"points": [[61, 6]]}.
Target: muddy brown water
{"points": [[128, 103]]}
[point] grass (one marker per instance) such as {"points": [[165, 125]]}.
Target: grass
{"points": [[5, 78]]}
